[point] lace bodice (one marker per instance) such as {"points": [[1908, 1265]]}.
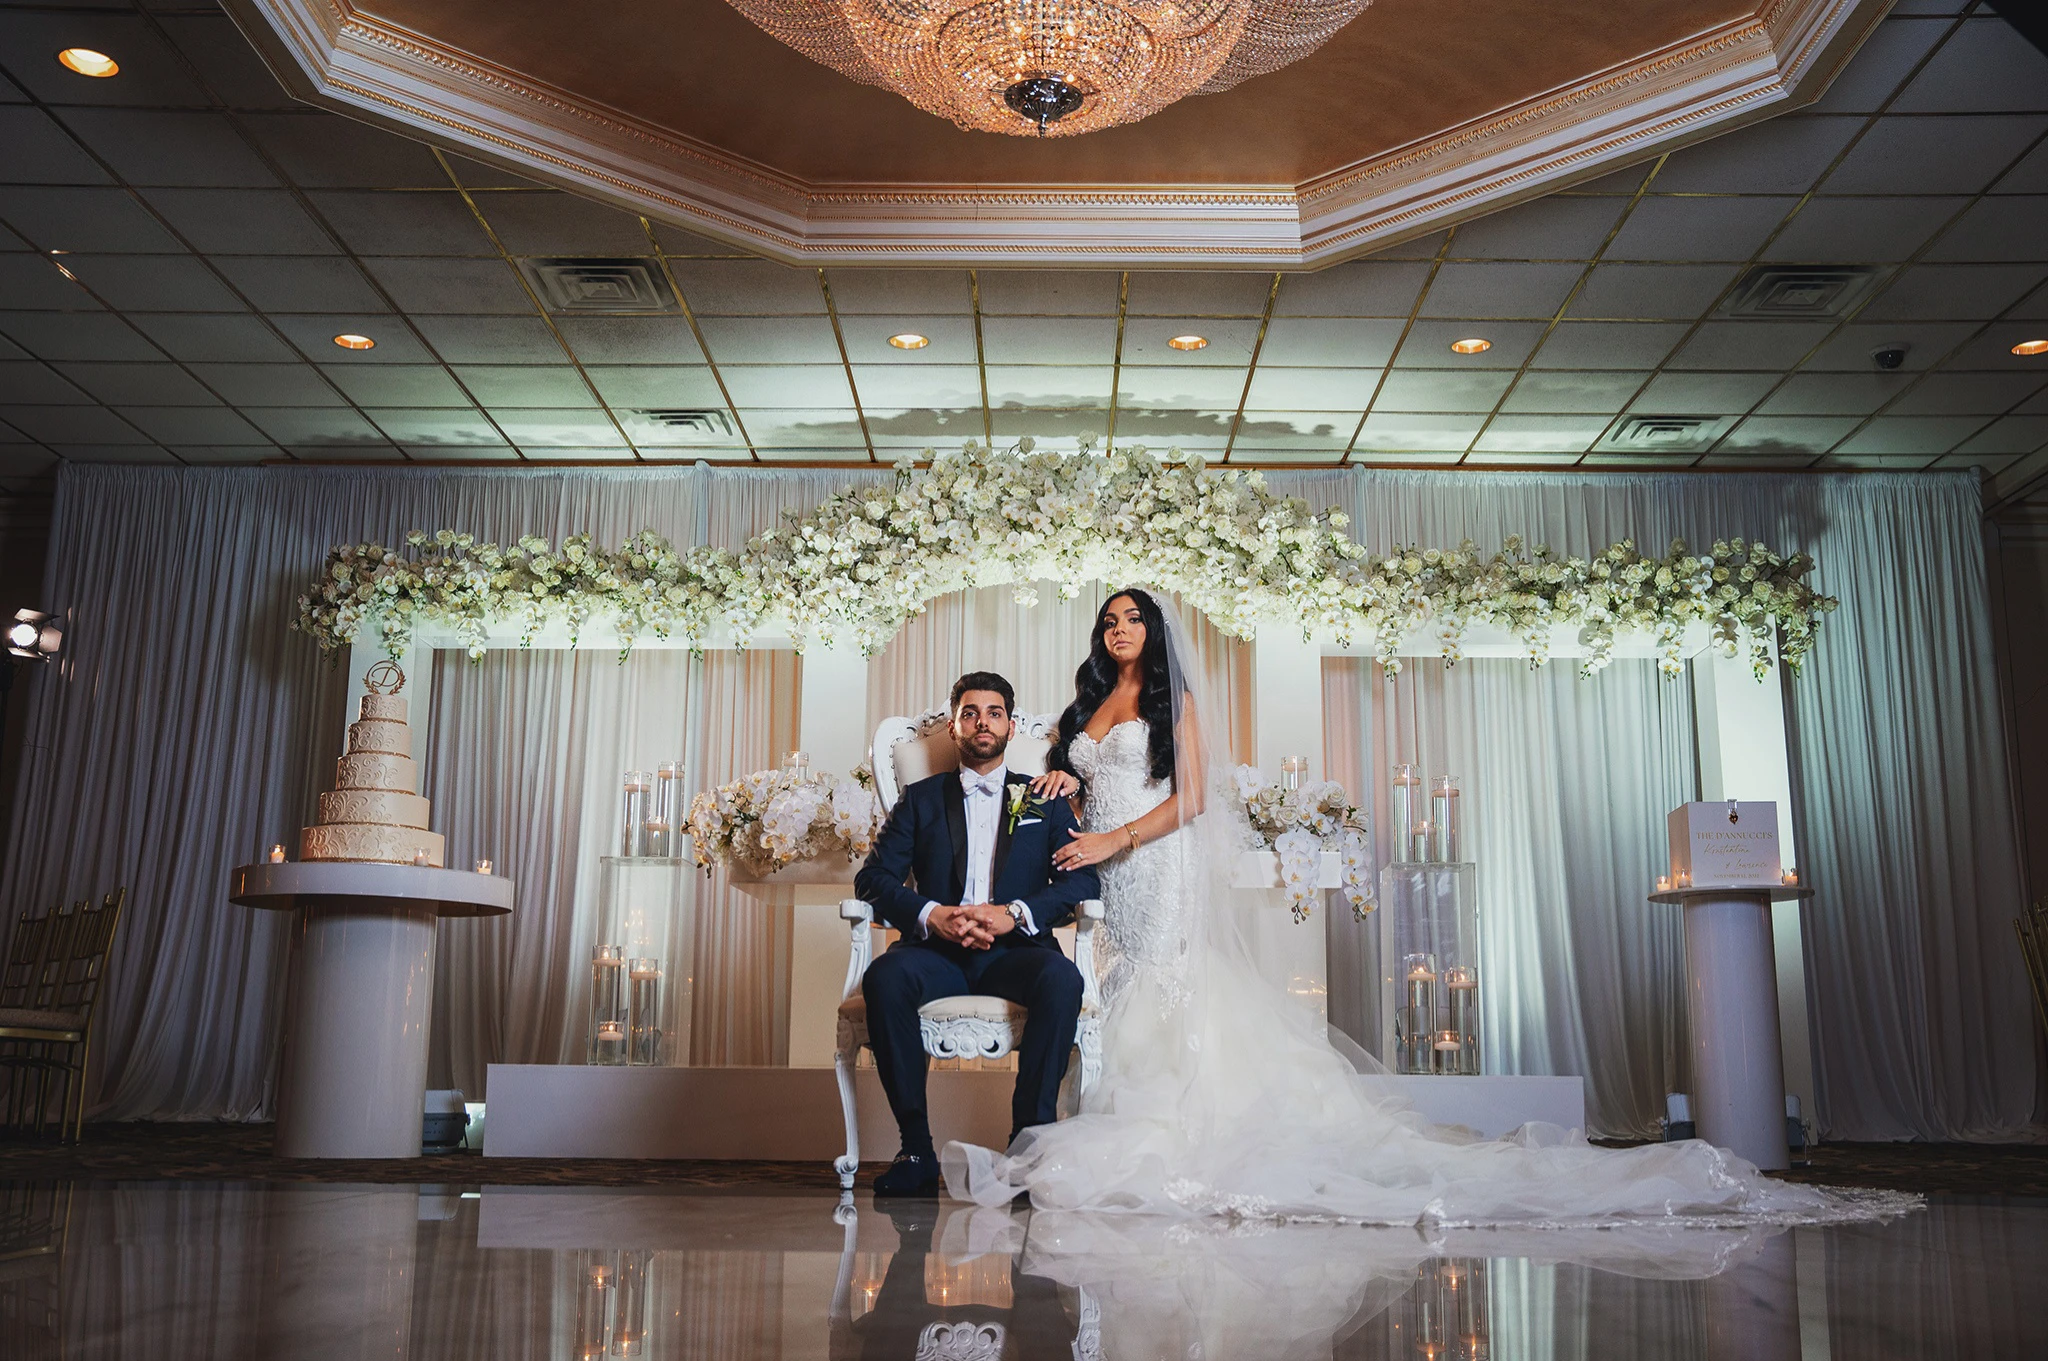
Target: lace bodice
{"points": [[1145, 908]]}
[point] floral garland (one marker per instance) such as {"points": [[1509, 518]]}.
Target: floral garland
{"points": [[871, 557], [774, 818], [1300, 824]]}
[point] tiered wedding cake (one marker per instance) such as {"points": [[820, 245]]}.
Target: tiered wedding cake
{"points": [[372, 813]]}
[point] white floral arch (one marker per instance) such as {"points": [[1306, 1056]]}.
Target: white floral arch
{"points": [[867, 559]]}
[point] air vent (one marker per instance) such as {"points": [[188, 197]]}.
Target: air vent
{"points": [[1666, 434], [1799, 292], [589, 284], [717, 424]]}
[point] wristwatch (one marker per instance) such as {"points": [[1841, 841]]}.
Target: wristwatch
{"points": [[1016, 911]]}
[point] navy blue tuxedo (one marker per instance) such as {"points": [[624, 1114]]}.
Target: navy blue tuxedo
{"points": [[921, 857]]}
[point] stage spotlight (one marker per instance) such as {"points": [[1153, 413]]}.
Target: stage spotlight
{"points": [[35, 635]]}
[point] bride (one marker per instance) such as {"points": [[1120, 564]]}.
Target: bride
{"points": [[1219, 1095]]}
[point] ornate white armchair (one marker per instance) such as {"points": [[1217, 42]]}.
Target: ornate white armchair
{"points": [[907, 750]]}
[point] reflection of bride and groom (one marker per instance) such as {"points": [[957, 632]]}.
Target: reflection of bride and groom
{"points": [[1217, 1096]]}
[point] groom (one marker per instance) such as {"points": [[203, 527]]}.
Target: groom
{"points": [[963, 871]]}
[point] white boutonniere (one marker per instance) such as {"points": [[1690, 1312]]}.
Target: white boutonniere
{"points": [[1022, 801]]}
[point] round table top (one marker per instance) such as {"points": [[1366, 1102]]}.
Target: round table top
{"points": [[1777, 893], [449, 893]]}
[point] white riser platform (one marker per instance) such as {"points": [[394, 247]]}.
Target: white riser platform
{"points": [[573, 1111]]}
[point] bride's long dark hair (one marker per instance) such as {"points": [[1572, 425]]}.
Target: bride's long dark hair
{"points": [[1097, 677]]}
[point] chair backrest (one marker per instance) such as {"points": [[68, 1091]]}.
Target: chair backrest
{"points": [[907, 750], [85, 961], [29, 961]]}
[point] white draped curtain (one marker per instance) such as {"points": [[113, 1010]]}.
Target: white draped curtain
{"points": [[186, 730]]}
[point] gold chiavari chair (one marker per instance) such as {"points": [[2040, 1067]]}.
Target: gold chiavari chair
{"points": [[50, 1038]]}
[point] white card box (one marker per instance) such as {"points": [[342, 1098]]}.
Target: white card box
{"points": [[1725, 844]]}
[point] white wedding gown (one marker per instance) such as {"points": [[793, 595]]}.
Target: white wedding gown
{"points": [[1219, 1096]]}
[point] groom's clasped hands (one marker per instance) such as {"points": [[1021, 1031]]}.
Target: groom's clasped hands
{"points": [[973, 925]]}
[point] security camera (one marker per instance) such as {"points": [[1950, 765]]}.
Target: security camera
{"points": [[1889, 356]]}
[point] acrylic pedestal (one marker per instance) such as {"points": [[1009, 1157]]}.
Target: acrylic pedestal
{"points": [[1731, 986], [361, 996], [1427, 907], [641, 909]]}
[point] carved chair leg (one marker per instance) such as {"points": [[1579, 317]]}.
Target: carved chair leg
{"points": [[843, 1060], [1090, 1043]]}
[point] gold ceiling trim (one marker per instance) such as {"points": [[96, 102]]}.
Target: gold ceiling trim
{"points": [[329, 53]]}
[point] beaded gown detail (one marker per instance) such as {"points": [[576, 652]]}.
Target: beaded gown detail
{"points": [[1220, 1096]]}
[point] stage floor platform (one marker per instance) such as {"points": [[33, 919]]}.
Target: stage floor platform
{"points": [[579, 1111]]}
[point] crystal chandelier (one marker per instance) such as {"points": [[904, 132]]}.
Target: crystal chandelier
{"points": [[1059, 67]]}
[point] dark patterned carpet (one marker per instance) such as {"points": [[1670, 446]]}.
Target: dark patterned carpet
{"points": [[156, 1152]]}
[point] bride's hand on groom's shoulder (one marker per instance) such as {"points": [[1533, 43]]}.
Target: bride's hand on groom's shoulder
{"points": [[1055, 784]]}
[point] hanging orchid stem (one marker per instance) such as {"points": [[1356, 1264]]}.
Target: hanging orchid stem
{"points": [[870, 558]]}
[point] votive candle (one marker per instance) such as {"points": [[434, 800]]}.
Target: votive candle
{"points": [[277, 855], [483, 867]]}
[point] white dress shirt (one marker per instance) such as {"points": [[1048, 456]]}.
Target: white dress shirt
{"points": [[984, 796]]}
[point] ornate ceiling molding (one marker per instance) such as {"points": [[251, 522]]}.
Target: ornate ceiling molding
{"points": [[1779, 58]]}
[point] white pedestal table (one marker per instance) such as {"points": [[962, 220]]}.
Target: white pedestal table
{"points": [[362, 985], [1731, 988]]}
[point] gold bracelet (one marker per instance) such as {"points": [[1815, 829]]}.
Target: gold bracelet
{"points": [[1133, 832]]}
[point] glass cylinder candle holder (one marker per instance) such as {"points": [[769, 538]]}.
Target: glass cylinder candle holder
{"points": [[656, 839], [643, 1012], [1448, 1049], [593, 1313], [420, 858], [668, 792], [1293, 770], [629, 1311], [1443, 813], [797, 765], [1461, 982], [1407, 786], [607, 1005], [633, 814], [1416, 1020], [1422, 840]]}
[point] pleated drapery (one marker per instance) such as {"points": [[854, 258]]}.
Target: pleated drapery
{"points": [[185, 730]]}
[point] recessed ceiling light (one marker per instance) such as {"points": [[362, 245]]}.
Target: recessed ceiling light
{"points": [[909, 340], [1471, 345], [2031, 347], [355, 342], [87, 62], [1188, 343]]}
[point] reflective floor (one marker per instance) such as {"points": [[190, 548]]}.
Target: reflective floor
{"points": [[170, 1271]]}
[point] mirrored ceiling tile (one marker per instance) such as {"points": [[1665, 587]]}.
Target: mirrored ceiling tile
{"points": [[79, 335], [1045, 292], [1054, 431], [461, 453], [434, 425], [1924, 342], [1651, 292], [1191, 430], [1258, 454], [1320, 342], [1328, 431], [1048, 340], [1703, 394], [549, 452], [2008, 435], [549, 222], [631, 340], [165, 146], [716, 288], [1773, 345], [1667, 228], [655, 386], [154, 283], [950, 386], [319, 150], [1552, 228], [1386, 430], [1778, 156], [1882, 63], [843, 453], [451, 286], [1861, 230], [285, 283], [193, 425], [1985, 64], [2012, 228], [807, 427], [1574, 392], [1787, 434], [1229, 340], [299, 427], [1048, 386], [396, 384], [1521, 458], [489, 340], [1833, 394], [1541, 434], [62, 217], [1925, 436], [534, 427], [1968, 394], [1608, 345], [948, 340], [896, 427], [152, 73], [1428, 345], [414, 223], [241, 221], [1493, 288], [770, 340], [1362, 288], [786, 385], [233, 338], [1290, 389], [1202, 293], [709, 426], [115, 384], [1442, 389], [884, 292], [495, 385], [73, 424], [1183, 388], [1947, 155]]}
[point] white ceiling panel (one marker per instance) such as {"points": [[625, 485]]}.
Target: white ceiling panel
{"points": [[943, 292], [741, 288], [1039, 292], [1540, 434], [192, 425], [1363, 288], [459, 286], [1969, 394], [1198, 293], [867, 338], [1986, 65], [1180, 388], [549, 222], [392, 384], [948, 387], [410, 426], [1231, 341], [1784, 155], [630, 340], [803, 427], [559, 427], [770, 340], [1049, 386], [2008, 435], [1386, 430], [1317, 342], [1048, 340], [1923, 435], [1428, 345], [1952, 155], [1442, 389], [1562, 227], [1569, 393], [1278, 389], [1703, 394], [653, 385], [787, 385], [1751, 345], [1494, 288], [1787, 434], [1835, 394], [1636, 292], [499, 385], [1608, 345], [1669, 228], [1321, 430], [1862, 230]]}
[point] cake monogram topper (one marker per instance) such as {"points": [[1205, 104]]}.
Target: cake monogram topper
{"points": [[384, 678]]}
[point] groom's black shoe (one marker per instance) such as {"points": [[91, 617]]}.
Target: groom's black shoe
{"points": [[912, 1174]]}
